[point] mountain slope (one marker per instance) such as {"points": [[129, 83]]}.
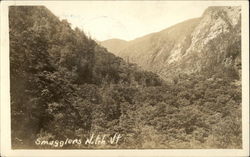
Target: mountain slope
{"points": [[197, 45], [59, 76]]}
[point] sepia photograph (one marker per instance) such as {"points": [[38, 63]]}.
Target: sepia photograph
{"points": [[126, 75]]}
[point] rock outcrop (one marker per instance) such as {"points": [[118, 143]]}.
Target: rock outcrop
{"points": [[208, 43]]}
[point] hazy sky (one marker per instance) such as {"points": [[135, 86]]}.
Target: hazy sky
{"points": [[126, 19]]}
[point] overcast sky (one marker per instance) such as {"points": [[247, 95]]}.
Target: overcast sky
{"points": [[126, 19]]}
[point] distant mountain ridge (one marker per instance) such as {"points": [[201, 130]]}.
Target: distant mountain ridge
{"points": [[208, 43], [114, 45]]}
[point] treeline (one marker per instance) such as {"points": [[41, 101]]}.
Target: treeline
{"points": [[64, 85]]}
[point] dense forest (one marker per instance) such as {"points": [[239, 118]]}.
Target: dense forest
{"points": [[65, 85]]}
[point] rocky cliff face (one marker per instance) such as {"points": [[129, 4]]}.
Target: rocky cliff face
{"points": [[210, 43]]}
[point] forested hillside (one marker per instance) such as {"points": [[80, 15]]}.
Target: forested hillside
{"points": [[64, 85]]}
